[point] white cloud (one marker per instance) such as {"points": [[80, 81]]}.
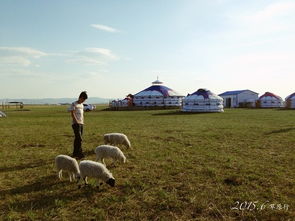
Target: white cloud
{"points": [[86, 60], [22, 56], [102, 51], [92, 56], [21, 51], [14, 60], [104, 28]]}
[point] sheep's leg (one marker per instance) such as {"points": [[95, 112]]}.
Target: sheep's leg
{"points": [[60, 174], [70, 176], [73, 176], [103, 161], [85, 180], [78, 180]]}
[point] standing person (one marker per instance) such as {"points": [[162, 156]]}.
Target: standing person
{"points": [[78, 122]]}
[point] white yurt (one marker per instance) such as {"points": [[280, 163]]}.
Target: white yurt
{"points": [[119, 103], [202, 100], [270, 100], [157, 95], [290, 101]]}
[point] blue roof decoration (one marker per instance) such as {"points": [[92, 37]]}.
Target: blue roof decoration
{"points": [[203, 92], [160, 88], [233, 92], [157, 88]]}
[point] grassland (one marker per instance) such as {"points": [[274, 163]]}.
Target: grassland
{"points": [[181, 167]]}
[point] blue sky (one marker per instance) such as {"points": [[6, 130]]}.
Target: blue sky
{"points": [[112, 48]]}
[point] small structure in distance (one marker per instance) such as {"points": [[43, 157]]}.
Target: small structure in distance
{"points": [[239, 98], [270, 100], [290, 101], [202, 100]]}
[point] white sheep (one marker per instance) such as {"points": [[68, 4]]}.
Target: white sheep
{"points": [[116, 138], [108, 151], [2, 114], [68, 164], [89, 168]]}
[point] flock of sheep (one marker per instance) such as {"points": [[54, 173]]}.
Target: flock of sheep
{"points": [[89, 168]]}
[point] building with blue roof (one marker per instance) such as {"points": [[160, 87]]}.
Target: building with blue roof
{"points": [[157, 95], [239, 98]]}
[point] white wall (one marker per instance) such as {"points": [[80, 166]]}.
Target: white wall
{"points": [[247, 96], [233, 100]]}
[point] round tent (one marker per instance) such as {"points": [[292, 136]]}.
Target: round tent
{"points": [[202, 100], [157, 95], [269, 100], [290, 101]]}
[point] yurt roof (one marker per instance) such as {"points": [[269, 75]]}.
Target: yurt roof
{"points": [[269, 94], [158, 90], [227, 93], [291, 96], [205, 93]]}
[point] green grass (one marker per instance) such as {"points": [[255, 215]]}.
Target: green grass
{"points": [[181, 166]]}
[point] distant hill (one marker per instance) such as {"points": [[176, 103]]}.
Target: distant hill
{"points": [[91, 100]]}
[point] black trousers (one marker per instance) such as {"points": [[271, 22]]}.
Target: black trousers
{"points": [[78, 131]]}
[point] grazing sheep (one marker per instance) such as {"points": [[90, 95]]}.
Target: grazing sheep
{"points": [[89, 168], [116, 138], [2, 114], [68, 164], [107, 151]]}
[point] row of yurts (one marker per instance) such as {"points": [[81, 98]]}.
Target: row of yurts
{"points": [[202, 100]]}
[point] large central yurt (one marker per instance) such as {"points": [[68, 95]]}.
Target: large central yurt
{"points": [[270, 100], [157, 95], [202, 100], [290, 101]]}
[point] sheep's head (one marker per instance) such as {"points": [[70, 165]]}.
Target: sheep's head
{"points": [[111, 182], [127, 143], [78, 177]]}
